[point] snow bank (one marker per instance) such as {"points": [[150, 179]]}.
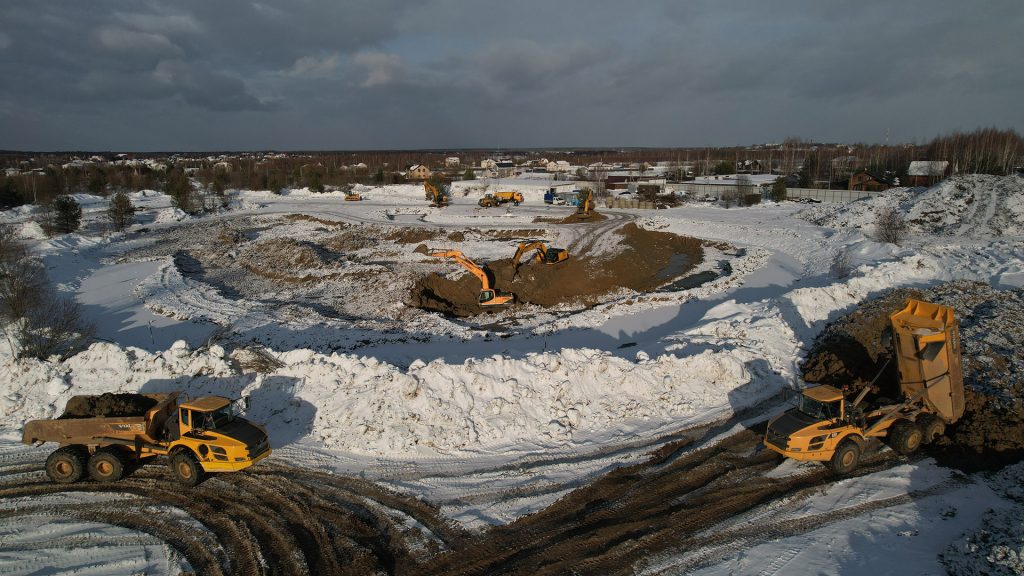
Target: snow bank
{"points": [[975, 205], [363, 405]]}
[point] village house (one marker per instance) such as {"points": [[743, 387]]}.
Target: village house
{"points": [[926, 173], [867, 182], [417, 172]]}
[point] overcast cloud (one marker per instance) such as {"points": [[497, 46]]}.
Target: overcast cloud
{"points": [[359, 74]]}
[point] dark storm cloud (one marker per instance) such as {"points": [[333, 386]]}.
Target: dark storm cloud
{"points": [[449, 73]]}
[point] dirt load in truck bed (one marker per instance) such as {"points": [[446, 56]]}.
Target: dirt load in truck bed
{"points": [[108, 405], [991, 433]]}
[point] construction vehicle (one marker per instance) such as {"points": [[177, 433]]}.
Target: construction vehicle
{"points": [[829, 427], [352, 196], [586, 203], [499, 198], [439, 197], [514, 197], [489, 296], [543, 254], [197, 436]]}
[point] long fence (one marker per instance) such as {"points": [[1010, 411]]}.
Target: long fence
{"points": [[819, 194]]}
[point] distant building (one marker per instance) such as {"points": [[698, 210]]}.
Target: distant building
{"points": [[868, 182], [451, 162], [558, 166], [418, 172], [927, 172]]}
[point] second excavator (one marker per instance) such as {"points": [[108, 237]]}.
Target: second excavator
{"points": [[439, 197], [543, 254], [489, 296]]}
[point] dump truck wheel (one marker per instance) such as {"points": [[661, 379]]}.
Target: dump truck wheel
{"points": [[931, 428], [186, 469], [66, 465], [106, 466], [846, 457], [905, 437]]}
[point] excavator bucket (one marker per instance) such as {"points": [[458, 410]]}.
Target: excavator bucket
{"points": [[927, 348]]}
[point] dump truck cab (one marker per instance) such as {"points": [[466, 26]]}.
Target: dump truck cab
{"points": [[813, 429], [218, 437]]}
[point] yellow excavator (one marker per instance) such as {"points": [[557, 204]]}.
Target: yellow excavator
{"points": [[586, 203], [543, 254], [438, 196], [829, 427], [489, 296]]}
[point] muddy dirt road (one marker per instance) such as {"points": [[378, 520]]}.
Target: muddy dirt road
{"points": [[277, 519]]}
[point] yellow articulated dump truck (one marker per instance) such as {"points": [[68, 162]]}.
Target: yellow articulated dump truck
{"points": [[829, 427], [197, 436]]}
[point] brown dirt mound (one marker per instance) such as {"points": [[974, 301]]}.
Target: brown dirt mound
{"points": [[412, 235], [649, 260], [991, 432], [107, 405], [581, 219]]}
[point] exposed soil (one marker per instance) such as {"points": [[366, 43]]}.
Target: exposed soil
{"points": [[574, 218], [683, 501], [269, 519], [648, 260], [991, 432], [107, 405], [412, 235]]}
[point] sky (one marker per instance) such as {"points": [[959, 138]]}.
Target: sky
{"points": [[447, 74]]}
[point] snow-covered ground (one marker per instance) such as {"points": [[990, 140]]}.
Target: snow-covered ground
{"points": [[586, 388]]}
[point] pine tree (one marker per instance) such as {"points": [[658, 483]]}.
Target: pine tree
{"points": [[67, 214], [121, 211]]}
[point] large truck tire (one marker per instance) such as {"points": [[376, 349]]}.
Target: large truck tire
{"points": [[846, 457], [107, 465], [67, 465], [905, 437], [186, 469], [931, 428]]}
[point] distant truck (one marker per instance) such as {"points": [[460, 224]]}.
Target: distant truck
{"points": [[197, 436], [829, 427], [499, 198]]}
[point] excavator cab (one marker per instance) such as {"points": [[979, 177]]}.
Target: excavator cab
{"points": [[495, 298], [554, 255]]}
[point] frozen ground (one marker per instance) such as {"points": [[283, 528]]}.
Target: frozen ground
{"points": [[500, 416]]}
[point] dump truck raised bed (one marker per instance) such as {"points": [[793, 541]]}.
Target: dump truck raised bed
{"points": [[828, 426], [197, 436]]}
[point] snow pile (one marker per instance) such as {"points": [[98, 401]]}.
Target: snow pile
{"points": [[165, 215], [145, 194], [975, 205], [996, 548], [363, 405]]}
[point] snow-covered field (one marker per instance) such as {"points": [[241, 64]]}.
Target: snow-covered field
{"points": [[399, 395]]}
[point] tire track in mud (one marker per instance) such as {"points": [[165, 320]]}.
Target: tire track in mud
{"points": [[268, 520], [636, 512], [713, 548], [685, 501]]}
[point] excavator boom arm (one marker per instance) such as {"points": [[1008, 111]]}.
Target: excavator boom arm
{"points": [[466, 263]]}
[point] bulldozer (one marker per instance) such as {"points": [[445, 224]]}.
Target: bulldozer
{"points": [[439, 197], [543, 254], [489, 296], [828, 426]]}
